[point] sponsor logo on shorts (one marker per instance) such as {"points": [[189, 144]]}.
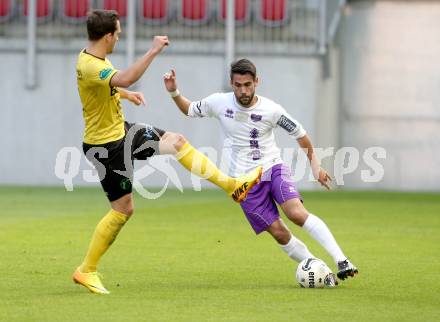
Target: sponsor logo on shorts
{"points": [[149, 132], [125, 184]]}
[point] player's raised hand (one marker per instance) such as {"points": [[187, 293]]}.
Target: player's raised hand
{"points": [[136, 98], [324, 178], [170, 80], [159, 42]]}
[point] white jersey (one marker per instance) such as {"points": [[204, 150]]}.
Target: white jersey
{"points": [[248, 131]]}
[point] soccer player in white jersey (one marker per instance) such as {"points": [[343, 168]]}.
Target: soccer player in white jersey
{"points": [[247, 121]]}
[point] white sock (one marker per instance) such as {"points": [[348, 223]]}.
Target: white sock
{"points": [[296, 249], [320, 232]]}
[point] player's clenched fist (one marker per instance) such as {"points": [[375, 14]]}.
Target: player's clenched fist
{"points": [[136, 98], [159, 42], [170, 80]]}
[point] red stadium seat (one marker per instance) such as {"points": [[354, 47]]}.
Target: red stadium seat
{"points": [[273, 12], [44, 8], [242, 11], [194, 12], [119, 5], [154, 11], [6, 9], [75, 10]]}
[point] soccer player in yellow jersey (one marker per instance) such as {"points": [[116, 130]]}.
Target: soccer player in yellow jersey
{"points": [[112, 144]]}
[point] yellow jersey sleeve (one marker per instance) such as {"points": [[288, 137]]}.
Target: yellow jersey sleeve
{"points": [[99, 73], [102, 110]]}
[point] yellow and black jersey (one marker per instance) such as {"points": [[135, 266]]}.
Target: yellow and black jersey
{"points": [[102, 110]]}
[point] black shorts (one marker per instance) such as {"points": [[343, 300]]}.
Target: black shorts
{"points": [[114, 160]]}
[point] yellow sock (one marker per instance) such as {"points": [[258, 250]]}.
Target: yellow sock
{"points": [[199, 164], [104, 235]]}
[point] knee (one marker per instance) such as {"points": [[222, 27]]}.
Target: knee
{"points": [[296, 213], [128, 211], [174, 141], [124, 206], [178, 141], [298, 216]]}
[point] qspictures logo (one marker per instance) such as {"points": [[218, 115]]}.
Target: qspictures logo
{"points": [[346, 161]]}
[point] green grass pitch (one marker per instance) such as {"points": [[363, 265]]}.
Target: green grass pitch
{"points": [[193, 257]]}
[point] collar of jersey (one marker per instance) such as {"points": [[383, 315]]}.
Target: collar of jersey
{"points": [[246, 108], [87, 53]]}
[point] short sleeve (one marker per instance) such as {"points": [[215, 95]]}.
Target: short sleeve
{"points": [[204, 107], [99, 73], [283, 119]]}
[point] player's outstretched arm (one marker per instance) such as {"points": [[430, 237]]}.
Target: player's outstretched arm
{"points": [[171, 85], [127, 77], [319, 173]]}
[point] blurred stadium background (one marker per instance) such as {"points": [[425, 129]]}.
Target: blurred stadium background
{"points": [[355, 73]]}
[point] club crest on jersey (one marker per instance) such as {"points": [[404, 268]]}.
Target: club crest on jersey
{"points": [[256, 117], [103, 74], [229, 113]]}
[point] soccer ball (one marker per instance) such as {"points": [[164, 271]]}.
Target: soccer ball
{"points": [[314, 273]]}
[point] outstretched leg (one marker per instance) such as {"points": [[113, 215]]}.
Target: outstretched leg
{"points": [[200, 165]]}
